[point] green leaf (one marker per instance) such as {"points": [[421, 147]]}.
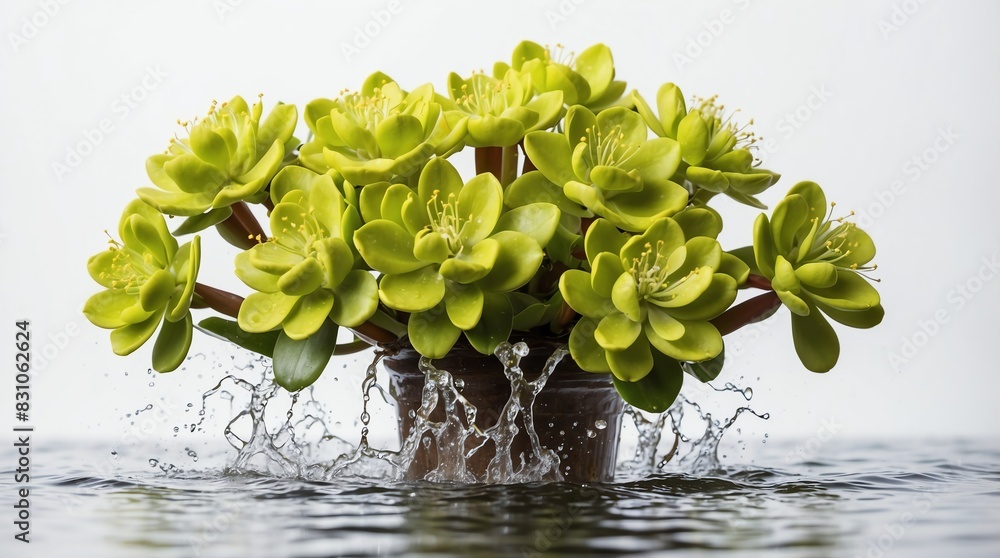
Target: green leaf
{"points": [[172, 344], [551, 154], [355, 299], [701, 341], [625, 296], [431, 333], [229, 330], [469, 267], [632, 363], [602, 236], [125, 340], [596, 65], [399, 134], [278, 126], [298, 363], [416, 291], [194, 176], [495, 324], [656, 391], [672, 108], [262, 312], [114, 308], [464, 304], [387, 247], [537, 220], [862, 319], [617, 332], [309, 314], [575, 286], [815, 341], [607, 268], [516, 263], [205, 220], [850, 292], [304, 278], [706, 370], [693, 135], [482, 199], [210, 147], [584, 348]]}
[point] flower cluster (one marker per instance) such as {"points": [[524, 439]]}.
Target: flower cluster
{"points": [[591, 217]]}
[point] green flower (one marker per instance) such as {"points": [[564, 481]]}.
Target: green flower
{"points": [[148, 280], [815, 265], [229, 156], [606, 164], [715, 151], [448, 256], [586, 79], [306, 273], [500, 110], [651, 293], [378, 133]]}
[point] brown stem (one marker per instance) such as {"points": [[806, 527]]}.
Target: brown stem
{"points": [[221, 301], [241, 211], [550, 278], [759, 282], [351, 348], [746, 312], [241, 229], [508, 165], [489, 159], [563, 318], [373, 334]]}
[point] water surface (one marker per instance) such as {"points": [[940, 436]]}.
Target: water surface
{"points": [[853, 499]]}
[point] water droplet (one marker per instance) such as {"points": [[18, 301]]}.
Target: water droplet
{"points": [[600, 424], [151, 384], [153, 462], [748, 393], [591, 433], [114, 454]]}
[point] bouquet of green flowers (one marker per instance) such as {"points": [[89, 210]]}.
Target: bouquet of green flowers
{"points": [[593, 217]]}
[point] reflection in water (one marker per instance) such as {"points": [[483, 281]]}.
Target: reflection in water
{"points": [[835, 508]]}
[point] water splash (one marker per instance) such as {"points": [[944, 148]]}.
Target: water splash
{"points": [[300, 444], [697, 455]]}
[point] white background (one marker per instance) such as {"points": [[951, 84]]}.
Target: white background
{"points": [[860, 96]]}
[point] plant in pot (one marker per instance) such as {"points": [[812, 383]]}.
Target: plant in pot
{"points": [[591, 222]]}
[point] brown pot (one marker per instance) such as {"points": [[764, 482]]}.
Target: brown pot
{"points": [[572, 402]]}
